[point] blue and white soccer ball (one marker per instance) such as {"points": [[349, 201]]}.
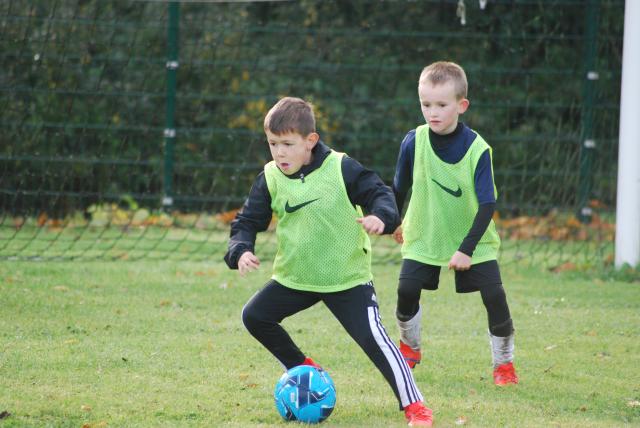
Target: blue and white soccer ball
{"points": [[305, 394]]}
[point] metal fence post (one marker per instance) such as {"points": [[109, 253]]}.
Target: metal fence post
{"points": [[169, 130], [587, 141]]}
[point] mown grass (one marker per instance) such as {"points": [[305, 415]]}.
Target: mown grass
{"points": [[161, 343]]}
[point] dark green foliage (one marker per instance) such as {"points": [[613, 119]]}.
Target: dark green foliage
{"points": [[83, 89]]}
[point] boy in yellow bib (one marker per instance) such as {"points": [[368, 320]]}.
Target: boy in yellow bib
{"points": [[323, 253], [448, 221]]}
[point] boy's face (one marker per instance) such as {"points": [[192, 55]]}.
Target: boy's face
{"points": [[440, 107], [291, 151]]}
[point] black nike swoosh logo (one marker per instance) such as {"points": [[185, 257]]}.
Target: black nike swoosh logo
{"points": [[291, 209], [456, 193]]}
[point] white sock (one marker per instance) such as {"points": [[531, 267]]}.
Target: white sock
{"points": [[410, 330], [501, 349]]}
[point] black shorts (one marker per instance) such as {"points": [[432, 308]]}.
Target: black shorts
{"points": [[479, 276]]}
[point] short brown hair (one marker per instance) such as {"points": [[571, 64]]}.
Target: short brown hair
{"points": [[290, 115], [441, 72]]}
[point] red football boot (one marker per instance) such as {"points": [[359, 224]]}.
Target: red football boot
{"points": [[309, 362], [505, 374], [411, 357], [418, 415]]}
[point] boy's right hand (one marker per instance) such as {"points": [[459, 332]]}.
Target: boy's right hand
{"points": [[247, 263], [397, 235]]}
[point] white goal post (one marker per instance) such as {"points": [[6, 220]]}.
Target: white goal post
{"points": [[628, 190]]}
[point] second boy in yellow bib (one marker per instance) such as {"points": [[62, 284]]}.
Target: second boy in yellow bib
{"points": [[449, 170]]}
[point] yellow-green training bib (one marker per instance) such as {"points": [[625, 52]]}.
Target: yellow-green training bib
{"points": [[321, 247], [443, 206]]}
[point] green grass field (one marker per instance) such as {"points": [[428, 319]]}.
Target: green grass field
{"points": [[161, 344]]}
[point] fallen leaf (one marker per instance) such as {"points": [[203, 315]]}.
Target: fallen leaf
{"points": [[632, 403], [582, 235], [224, 285], [100, 424], [228, 216], [574, 222], [55, 223], [165, 302], [61, 288], [550, 347], [85, 408], [42, 219], [461, 420], [564, 267]]}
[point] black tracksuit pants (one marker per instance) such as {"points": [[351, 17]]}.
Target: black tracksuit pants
{"points": [[356, 309]]}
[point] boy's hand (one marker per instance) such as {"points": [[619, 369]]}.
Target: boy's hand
{"points": [[460, 261], [247, 263], [371, 224], [397, 235]]}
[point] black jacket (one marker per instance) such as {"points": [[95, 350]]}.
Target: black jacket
{"points": [[364, 187]]}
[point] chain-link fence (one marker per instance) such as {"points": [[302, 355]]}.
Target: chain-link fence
{"points": [[134, 129]]}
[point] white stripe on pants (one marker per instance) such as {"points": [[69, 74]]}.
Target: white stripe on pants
{"points": [[405, 383]]}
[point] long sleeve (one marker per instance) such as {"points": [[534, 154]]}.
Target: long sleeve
{"points": [[366, 189], [403, 177], [485, 192], [254, 217], [479, 226]]}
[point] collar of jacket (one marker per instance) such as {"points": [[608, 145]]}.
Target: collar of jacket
{"points": [[320, 153]]}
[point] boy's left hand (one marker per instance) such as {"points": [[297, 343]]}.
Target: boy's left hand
{"points": [[460, 261], [397, 235], [371, 224]]}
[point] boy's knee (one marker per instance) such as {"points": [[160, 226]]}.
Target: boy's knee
{"points": [[408, 298], [250, 317], [493, 295], [409, 289]]}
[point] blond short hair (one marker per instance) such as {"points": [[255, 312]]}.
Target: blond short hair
{"points": [[290, 114], [443, 71]]}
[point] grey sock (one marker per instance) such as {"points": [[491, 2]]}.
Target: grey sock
{"points": [[501, 349], [410, 330]]}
